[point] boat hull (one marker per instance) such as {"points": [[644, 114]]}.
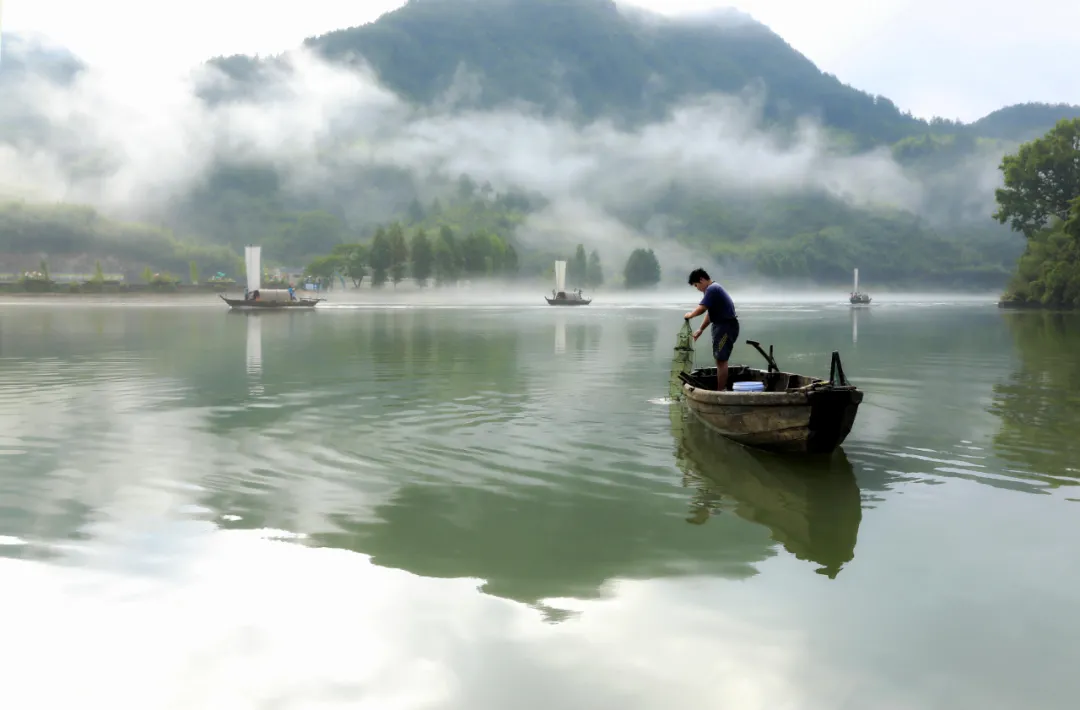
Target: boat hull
{"points": [[810, 420], [567, 301], [241, 304]]}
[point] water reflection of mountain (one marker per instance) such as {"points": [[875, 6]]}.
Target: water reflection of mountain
{"points": [[531, 543], [811, 506], [568, 539]]}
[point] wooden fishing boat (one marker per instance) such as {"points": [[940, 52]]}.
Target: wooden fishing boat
{"points": [[250, 304], [559, 295], [259, 299], [567, 299], [856, 298], [790, 413]]}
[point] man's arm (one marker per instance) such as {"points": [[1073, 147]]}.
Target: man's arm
{"points": [[696, 312], [702, 328]]}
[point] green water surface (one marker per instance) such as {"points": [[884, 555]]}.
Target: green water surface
{"points": [[474, 508]]}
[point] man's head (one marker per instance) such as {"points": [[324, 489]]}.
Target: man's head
{"points": [[699, 279]]}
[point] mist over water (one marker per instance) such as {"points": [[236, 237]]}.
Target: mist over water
{"points": [[528, 293]]}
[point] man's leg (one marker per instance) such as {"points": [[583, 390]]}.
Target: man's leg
{"points": [[721, 375], [722, 352]]}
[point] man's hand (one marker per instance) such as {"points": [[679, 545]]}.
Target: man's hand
{"points": [[697, 333], [689, 315]]}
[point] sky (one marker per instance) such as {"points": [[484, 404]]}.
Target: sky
{"points": [[953, 58]]}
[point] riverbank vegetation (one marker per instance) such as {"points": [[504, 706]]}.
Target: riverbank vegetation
{"points": [[79, 242], [1041, 200]]}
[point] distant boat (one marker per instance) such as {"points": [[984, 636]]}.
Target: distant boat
{"points": [[256, 298], [774, 410], [559, 295], [859, 299]]}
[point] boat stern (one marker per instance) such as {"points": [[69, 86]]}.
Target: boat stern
{"points": [[832, 414]]}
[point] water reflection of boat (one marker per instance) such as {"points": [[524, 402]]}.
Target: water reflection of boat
{"points": [[811, 506], [254, 346]]}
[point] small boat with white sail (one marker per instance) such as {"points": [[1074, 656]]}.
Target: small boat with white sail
{"points": [[559, 295], [256, 298]]}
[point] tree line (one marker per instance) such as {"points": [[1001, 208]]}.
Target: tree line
{"points": [[1041, 200], [392, 256]]}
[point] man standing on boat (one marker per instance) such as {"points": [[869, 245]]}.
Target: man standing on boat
{"points": [[719, 311]]}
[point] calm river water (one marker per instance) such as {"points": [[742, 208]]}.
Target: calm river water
{"points": [[405, 508]]}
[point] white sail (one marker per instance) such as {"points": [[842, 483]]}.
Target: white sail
{"points": [[560, 276], [253, 265], [856, 281]]}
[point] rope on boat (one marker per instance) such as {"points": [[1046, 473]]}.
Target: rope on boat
{"points": [[683, 360]]}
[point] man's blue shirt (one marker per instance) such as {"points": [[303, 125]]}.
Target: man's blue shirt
{"points": [[719, 304]]}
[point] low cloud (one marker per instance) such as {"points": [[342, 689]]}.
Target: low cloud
{"points": [[135, 149]]}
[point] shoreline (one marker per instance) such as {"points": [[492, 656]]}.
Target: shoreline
{"points": [[1029, 306]]}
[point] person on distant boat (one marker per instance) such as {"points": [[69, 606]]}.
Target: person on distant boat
{"points": [[292, 293], [719, 311]]}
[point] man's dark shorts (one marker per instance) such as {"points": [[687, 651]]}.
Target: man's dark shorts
{"points": [[724, 335]]}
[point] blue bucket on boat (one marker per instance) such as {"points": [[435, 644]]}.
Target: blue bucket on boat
{"points": [[748, 386]]}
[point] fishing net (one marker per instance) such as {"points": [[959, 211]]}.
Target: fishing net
{"points": [[682, 361]]}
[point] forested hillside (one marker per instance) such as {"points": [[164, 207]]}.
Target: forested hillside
{"points": [[566, 76]]}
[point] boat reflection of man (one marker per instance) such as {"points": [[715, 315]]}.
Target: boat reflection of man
{"points": [[719, 311]]}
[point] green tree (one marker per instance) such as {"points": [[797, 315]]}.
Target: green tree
{"points": [[447, 259], [422, 257], [642, 269], [496, 259], [352, 261], [476, 255], [577, 269], [99, 275], [1041, 180], [323, 269], [1048, 273], [43, 267], [399, 253], [1072, 224], [594, 274], [416, 212], [381, 257], [510, 261], [193, 271], [147, 274]]}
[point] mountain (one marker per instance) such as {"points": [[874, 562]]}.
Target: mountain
{"points": [[590, 63], [1023, 122], [626, 66]]}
